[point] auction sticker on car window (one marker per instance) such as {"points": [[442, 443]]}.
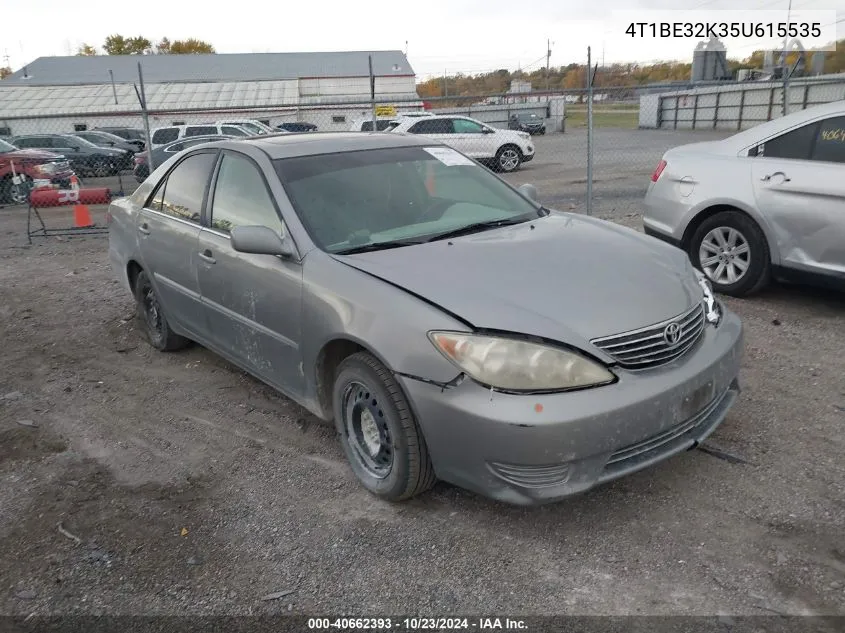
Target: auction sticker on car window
{"points": [[448, 156]]}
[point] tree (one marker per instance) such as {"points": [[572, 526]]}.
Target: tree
{"points": [[86, 50], [191, 46], [5, 71], [163, 47], [119, 45]]}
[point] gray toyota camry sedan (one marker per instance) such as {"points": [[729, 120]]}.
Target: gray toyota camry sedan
{"points": [[446, 323]]}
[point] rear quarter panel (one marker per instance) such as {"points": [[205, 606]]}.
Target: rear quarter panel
{"points": [[694, 183], [123, 239]]}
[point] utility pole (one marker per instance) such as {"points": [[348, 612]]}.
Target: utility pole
{"points": [[785, 66], [548, 57], [445, 85]]}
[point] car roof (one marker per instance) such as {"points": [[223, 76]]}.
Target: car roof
{"points": [[292, 145]]}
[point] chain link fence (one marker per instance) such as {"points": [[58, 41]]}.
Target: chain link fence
{"points": [[105, 139]]}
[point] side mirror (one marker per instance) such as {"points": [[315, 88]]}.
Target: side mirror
{"points": [[529, 191], [260, 240]]}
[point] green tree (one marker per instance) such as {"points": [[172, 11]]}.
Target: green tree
{"points": [[5, 71], [120, 45], [190, 46], [86, 50]]}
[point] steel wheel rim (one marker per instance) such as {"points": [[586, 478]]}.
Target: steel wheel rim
{"points": [[724, 255], [509, 159], [366, 430], [152, 312]]}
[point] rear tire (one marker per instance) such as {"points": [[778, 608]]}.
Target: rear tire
{"points": [[378, 432], [508, 158], [152, 318], [731, 250]]}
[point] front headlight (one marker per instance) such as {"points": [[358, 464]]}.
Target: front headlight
{"points": [[515, 365], [524, 134], [712, 310]]}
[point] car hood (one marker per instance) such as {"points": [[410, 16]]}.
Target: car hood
{"points": [[563, 277], [32, 154]]}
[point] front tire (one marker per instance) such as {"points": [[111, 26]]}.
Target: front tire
{"points": [[152, 318], [378, 432], [731, 250], [508, 158]]}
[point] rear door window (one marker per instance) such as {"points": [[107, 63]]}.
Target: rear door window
{"points": [[231, 131], [796, 144], [200, 130], [165, 135], [181, 194], [830, 141], [434, 126]]}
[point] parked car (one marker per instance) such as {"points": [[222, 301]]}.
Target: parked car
{"points": [[504, 150], [85, 158], [297, 126], [105, 139], [30, 165], [253, 126], [768, 202], [163, 153], [366, 124], [127, 133], [164, 135], [530, 123], [447, 324]]}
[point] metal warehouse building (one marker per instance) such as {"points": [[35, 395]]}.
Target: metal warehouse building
{"points": [[63, 94]]}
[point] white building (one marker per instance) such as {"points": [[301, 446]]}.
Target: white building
{"points": [[63, 94]]}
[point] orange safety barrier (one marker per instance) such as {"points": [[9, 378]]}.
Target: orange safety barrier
{"points": [[83, 223]]}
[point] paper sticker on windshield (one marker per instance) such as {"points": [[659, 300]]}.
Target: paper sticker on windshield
{"points": [[448, 156]]}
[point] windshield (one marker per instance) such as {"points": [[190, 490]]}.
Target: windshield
{"points": [[408, 194], [251, 127], [7, 147]]}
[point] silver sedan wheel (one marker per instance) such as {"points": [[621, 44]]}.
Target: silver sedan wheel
{"points": [[724, 255], [509, 160]]}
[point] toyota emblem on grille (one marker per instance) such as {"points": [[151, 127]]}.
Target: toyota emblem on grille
{"points": [[672, 334]]}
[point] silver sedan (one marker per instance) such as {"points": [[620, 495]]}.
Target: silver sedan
{"points": [[448, 325], [766, 203]]}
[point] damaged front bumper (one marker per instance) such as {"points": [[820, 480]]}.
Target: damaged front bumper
{"points": [[531, 449]]}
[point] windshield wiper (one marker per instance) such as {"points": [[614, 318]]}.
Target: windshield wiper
{"points": [[378, 246], [476, 227]]}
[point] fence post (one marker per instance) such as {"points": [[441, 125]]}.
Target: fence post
{"points": [[806, 96], [373, 93], [677, 107], [142, 98], [741, 109], [694, 111], [771, 103], [716, 110], [660, 112], [589, 133]]}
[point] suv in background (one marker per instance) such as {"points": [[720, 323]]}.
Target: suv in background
{"points": [[530, 123], [164, 135], [503, 150], [30, 164], [366, 124], [85, 158]]}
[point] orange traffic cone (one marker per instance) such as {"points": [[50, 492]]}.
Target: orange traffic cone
{"points": [[82, 216], [74, 182]]}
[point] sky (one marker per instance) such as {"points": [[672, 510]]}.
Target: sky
{"points": [[440, 36]]}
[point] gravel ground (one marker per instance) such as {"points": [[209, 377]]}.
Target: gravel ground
{"points": [[135, 482]]}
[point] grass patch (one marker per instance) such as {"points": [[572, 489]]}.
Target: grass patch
{"points": [[603, 116]]}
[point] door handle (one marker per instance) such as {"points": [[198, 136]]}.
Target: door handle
{"points": [[144, 229], [206, 257], [768, 177]]}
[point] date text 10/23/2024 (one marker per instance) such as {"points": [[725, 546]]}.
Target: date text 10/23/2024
{"points": [[417, 624]]}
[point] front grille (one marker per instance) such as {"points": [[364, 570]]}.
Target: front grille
{"points": [[532, 476], [648, 346]]}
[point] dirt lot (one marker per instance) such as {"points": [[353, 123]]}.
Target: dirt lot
{"points": [[136, 482]]}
